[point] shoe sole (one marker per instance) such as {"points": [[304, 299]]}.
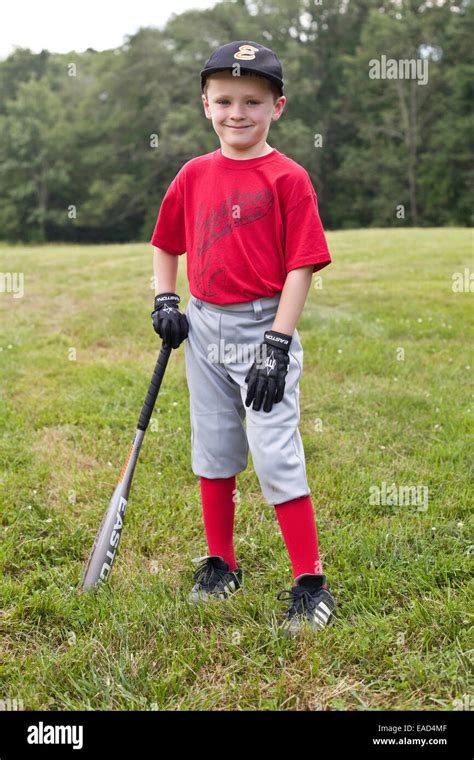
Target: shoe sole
{"points": [[199, 595]]}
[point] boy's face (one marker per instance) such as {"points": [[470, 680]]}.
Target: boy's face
{"points": [[241, 109]]}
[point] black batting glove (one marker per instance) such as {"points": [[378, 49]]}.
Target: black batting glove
{"points": [[266, 379], [168, 321]]}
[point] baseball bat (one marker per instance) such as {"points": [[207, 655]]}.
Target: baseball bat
{"points": [[104, 549]]}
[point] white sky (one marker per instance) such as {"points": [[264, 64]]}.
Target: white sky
{"points": [[61, 26]]}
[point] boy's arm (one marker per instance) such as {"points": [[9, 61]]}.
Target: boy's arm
{"points": [[292, 300], [165, 270], [266, 384], [168, 322]]}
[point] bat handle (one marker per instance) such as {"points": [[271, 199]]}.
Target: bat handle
{"points": [[154, 388]]}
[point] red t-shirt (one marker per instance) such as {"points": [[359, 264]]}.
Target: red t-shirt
{"points": [[243, 223]]}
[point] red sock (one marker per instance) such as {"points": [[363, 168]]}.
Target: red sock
{"points": [[298, 526], [218, 507]]}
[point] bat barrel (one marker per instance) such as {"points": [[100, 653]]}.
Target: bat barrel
{"points": [[104, 550]]}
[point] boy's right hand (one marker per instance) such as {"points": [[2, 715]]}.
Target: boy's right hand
{"points": [[168, 321]]}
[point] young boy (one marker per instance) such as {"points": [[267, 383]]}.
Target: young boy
{"points": [[247, 216]]}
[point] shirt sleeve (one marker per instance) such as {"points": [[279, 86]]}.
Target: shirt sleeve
{"points": [[170, 231], [305, 241]]}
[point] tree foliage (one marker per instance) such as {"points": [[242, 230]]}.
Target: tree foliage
{"points": [[89, 142]]}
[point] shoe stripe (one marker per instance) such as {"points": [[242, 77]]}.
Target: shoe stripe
{"points": [[321, 623], [324, 606], [324, 618]]}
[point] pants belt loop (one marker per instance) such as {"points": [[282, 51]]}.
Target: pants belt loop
{"points": [[257, 307]]}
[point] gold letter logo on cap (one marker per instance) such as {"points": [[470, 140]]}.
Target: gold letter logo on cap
{"points": [[246, 53]]}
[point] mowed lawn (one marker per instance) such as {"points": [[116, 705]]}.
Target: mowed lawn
{"points": [[386, 397]]}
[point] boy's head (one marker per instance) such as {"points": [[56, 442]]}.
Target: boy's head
{"points": [[242, 84]]}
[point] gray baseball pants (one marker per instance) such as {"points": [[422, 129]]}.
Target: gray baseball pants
{"points": [[219, 351]]}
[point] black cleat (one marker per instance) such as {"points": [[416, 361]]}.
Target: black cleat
{"points": [[309, 603], [214, 579]]}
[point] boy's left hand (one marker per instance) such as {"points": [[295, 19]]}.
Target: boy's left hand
{"points": [[266, 380]]}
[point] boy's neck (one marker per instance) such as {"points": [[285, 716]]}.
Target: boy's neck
{"points": [[254, 151]]}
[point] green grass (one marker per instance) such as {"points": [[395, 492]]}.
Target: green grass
{"points": [[400, 575]]}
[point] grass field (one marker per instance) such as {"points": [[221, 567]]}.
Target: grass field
{"points": [[386, 397]]}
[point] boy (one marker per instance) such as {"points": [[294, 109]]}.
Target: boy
{"points": [[247, 217]]}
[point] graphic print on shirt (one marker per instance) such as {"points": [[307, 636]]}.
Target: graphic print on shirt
{"points": [[213, 224]]}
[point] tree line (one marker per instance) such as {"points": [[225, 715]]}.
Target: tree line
{"points": [[378, 112]]}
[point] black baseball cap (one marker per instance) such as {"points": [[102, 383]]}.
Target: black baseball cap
{"points": [[250, 56]]}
